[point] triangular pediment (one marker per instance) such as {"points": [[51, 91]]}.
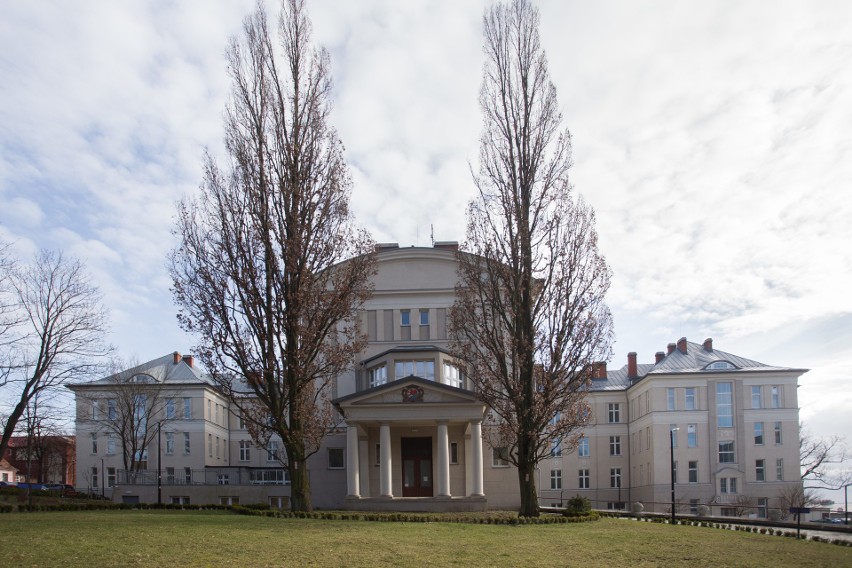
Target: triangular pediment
{"points": [[409, 390]]}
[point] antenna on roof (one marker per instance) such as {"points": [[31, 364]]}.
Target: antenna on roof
{"points": [[432, 233]]}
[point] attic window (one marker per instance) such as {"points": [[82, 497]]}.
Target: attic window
{"points": [[143, 379], [719, 365]]}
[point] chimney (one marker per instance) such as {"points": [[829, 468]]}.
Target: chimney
{"points": [[446, 245], [659, 356], [681, 345], [632, 371], [176, 357], [669, 348], [189, 360], [708, 344]]}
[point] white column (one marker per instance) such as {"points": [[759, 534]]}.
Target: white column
{"points": [[476, 447], [443, 460], [385, 466], [353, 484]]}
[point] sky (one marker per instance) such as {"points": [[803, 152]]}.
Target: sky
{"points": [[712, 139]]}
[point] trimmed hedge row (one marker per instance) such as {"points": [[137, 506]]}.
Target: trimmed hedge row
{"points": [[473, 518], [105, 506]]}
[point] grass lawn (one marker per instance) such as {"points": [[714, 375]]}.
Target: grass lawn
{"points": [[203, 538]]}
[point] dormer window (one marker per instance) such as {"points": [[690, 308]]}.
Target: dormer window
{"points": [[142, 379], [720, 365], [423, 369]]}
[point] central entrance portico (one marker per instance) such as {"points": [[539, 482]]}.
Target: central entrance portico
{"points": [[414, 445]]}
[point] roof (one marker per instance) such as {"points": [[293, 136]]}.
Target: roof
{"points": [[696, 360], [168, 369]]}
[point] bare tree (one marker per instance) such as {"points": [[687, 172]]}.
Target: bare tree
{"points": [[131, 408], [819, 458], [530, 317], [259, 273], [58, 334], [794, 495], [742, 504]]}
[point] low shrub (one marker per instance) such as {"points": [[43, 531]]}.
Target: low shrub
{"points": [[577, 506]]}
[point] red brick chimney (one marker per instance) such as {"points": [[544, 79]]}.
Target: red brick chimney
{"points": [[681, 345], [669, 348], [176, 357], [189, 360], [659, 356], [708, 344], [599, 370], [632, 371]]}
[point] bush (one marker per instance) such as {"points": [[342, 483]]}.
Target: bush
{"points": [[577, 506]]}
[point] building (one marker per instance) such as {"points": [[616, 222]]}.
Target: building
{"points": [[411, 434], [42, 459]]}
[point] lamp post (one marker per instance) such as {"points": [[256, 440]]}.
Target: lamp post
{"points": [[846, 504], [672, 470], [159, 472]]}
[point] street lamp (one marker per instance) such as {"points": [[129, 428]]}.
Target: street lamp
{"points": [[672, 471], [846, 504], [159, 471]]}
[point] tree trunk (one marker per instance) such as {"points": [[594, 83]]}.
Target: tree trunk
{"points": [[300, 486], [529, 495]]}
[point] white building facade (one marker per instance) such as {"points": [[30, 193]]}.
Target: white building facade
{"points": [[411, 435]]}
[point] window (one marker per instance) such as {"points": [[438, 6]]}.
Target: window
{"points": [[424, 317], [217, 447], [223, 479], [94, 476], [670, 399], [758, 433], [140, 416], [720, 365], [615, 477], [556, 479], [269, 477], [728, 485], [614, 412], [229, 500], [272, 451], [277, 502], [762, 507], [556, 449], [210, 445], [778, 433], [693, 472], [452, 376], [110, 480], [187, 408], [94, 442], [170, 408], [673, 433], [110, 444], [779, 469], [424, 369], [245, 450], [336, 459], [186, 446], [170, 442], [500, 457], [760, 470], [689, 398], [111, 409], [724, 405], [217, 413], [615, 445], [755, 397], [583, 448], [377, 376], [95, 414], [584, 479], [241, 424], [776, 401], [170, 475], [726, 452], [180, 500], [405, 318], [454, 453], [187, 475], [691, 436], [674, 472], [693, 506]]}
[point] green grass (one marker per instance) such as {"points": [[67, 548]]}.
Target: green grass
{"points": [[190, 538]]}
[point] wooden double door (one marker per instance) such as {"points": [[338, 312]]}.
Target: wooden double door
{"points": [[417, 467]]}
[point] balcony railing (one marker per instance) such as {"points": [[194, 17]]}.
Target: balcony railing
{"points": [[207, 476]]}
